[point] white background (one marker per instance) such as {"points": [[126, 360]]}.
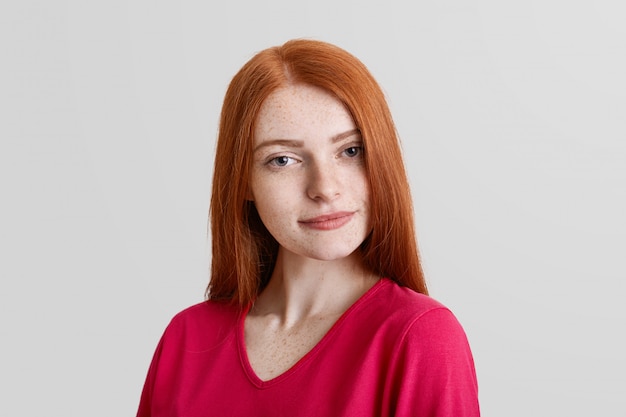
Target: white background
{"points": [[512, 118]]}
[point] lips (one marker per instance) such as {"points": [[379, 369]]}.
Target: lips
{"points": [[328, 221]]}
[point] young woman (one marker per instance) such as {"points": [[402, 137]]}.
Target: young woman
{"points": [[317, 304]]}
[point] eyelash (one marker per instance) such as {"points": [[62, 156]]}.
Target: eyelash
{"points": [[274, 161], [359, 150]]}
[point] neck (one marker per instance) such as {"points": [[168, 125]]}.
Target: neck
{"points": [[302, 288]]}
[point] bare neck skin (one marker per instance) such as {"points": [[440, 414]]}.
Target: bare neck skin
{"points": [[302, 301], [301, 288]]}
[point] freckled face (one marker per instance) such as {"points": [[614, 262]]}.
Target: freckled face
{"points": [[308, 180]]}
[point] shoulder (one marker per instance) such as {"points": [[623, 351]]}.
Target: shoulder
{"points": [[431, 356], [403, 302], [205, 310], [202, 324], [415, 317]]}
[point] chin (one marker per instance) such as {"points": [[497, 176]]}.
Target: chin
{"points": [[331, 254]]}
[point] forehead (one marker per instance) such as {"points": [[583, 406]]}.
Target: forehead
{"points": [[300, 110]]}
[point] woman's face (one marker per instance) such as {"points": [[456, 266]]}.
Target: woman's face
{"points": [[308, 180]]}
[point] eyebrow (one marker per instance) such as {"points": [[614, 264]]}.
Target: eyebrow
{"points": [[299, 143]]}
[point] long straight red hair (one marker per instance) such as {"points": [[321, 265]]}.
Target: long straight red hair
{"points": [[243, 251]]}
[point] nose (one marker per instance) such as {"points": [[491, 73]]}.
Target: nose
{"points": [[323, 182]]}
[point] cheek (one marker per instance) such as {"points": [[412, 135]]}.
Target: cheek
{"points": [[279, 221], [272, 204], [365, 194], [362, 187]]}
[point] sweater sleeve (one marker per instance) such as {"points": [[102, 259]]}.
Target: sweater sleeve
{"points": [[434, 368]]}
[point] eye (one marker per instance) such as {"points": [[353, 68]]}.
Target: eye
{"points": [[282, 161], [353, 151]]}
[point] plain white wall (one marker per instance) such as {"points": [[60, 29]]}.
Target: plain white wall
{"points": [[512, 117]]}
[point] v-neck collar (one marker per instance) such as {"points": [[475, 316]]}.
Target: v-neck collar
{"points": [[243, 354]]}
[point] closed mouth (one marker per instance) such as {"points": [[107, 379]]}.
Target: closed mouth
{"points": [[328, 221]]}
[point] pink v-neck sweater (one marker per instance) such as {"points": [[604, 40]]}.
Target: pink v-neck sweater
{"points": [[393, 353]]}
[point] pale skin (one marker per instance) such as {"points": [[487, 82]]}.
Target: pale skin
{"points": [[310, 188]]}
